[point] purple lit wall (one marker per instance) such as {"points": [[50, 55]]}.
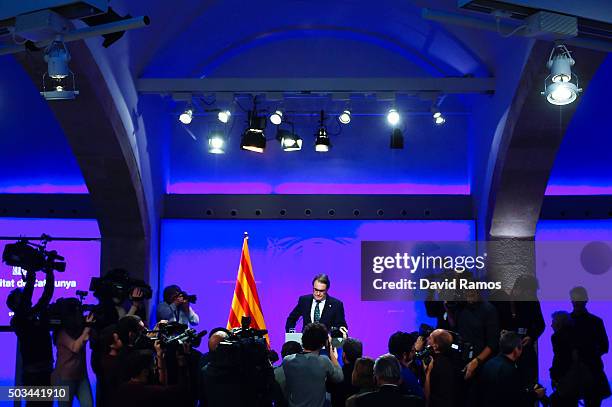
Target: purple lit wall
{"points": [[573, 231], [83, 262], [202, 257]]}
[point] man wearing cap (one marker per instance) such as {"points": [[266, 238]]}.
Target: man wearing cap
{"points": [[176, 308]]}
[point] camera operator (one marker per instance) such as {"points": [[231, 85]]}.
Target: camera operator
{"points": [[500, 383], [32, 330], [443, 381], [239, 371], [147, 388], [116, 298], [175, 307], [111, 365], [401, 345], [307, 371], [70, 339]]}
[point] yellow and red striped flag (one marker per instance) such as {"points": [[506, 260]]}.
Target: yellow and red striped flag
{"points": [[246, 301]]}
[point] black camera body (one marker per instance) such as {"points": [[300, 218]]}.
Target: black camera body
{"points": [[190, 298], [33, 257]]}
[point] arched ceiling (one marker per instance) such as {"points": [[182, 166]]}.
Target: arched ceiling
{"points": [[304, 38]]}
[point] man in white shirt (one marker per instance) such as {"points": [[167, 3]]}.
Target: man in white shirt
{"points": [[176, 308]]}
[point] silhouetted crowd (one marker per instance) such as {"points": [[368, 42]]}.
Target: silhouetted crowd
{"points": [[481, 354]]}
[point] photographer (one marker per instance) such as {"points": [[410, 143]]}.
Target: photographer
{"points": [[70, 339], [401, 345], [443, 382], [176, 308], [307, 371], [32, 330], [500, 382]]}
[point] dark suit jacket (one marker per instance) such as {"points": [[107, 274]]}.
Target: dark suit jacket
{"points": [[331, 316], [388, 396]]}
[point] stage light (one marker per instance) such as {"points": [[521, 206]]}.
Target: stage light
{"points": [[397, 139], [561, 85], [289, 140], [393, 117], [345, 117], [276, 118], [224, 116], [57, 58], [216, 143], [437, 117], [322, 142], [253, 138], [187, 116]]}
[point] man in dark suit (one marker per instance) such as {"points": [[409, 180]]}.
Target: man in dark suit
{"points": [[318, 307], [387, 375]]}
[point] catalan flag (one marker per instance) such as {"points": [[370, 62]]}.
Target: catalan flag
{"points": [[246, 301]]}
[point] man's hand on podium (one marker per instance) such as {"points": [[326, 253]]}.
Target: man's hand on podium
{"points": [[344, 331]]}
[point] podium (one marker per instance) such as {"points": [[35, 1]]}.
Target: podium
{"points": [[293, 336]]}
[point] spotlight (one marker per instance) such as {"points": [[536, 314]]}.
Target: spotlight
{"points": [[561, 86], [253, 138], [345, 117], [276, 118], [397, 139], [322, 142], [393, 117], [289, 140], [224, 116], [216, 143], [437, 117], [187, 116], [57, 58]]}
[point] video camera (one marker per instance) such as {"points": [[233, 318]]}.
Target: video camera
{"points": [[170, 335], [243, 345], [118, 284], [67, 313], [244, 357], [459, 351], [33, 257]]}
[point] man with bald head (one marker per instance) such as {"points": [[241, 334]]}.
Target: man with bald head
{"points": [[442, 380], [213, 382], [215, 338]]}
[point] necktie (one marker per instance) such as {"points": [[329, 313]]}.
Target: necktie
{"points": [[317, 312]]}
